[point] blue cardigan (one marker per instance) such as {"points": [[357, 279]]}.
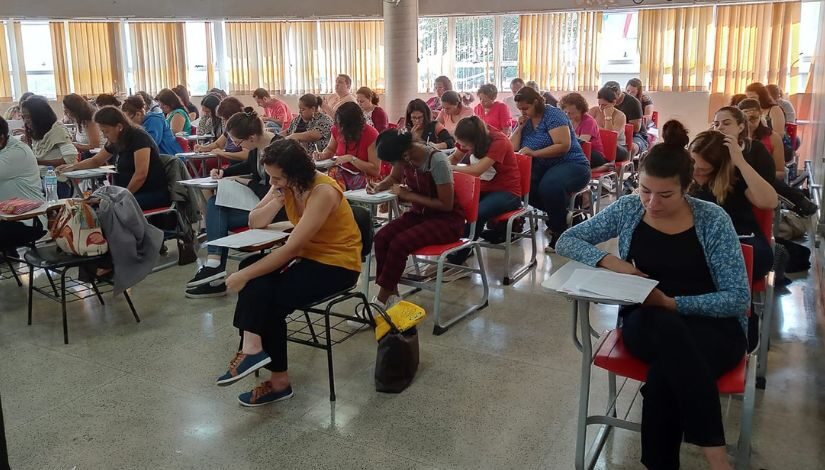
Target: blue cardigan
{"points": [[714, 229]]}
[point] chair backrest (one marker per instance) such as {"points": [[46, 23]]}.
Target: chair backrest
{"points": [[655, 118], [587, 148], [468, 192], [747, 253], [525, 169], [184, 144], [791, 129], [193, 130], [364, 222], [628, 136], [764, 218], [610, 142], [392, 125]]}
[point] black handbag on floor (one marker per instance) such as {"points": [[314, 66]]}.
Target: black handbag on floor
{"points": [[396, 361]]}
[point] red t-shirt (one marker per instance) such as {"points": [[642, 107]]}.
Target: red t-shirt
{"points": [[357, 148], [508, 177], [277, 109], [497, 117]]}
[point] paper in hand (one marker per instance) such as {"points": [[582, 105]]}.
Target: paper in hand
{"points": [[235, 195]]}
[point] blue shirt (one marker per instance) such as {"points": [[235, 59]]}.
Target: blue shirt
{"points": [[538, 137], [155, 125], [716, 234]]}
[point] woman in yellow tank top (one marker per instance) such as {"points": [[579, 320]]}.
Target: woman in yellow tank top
{"points": [[321, 257]]}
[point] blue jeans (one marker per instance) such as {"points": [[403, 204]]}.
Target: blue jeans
{"points": [[491, 205], [219, 221], [551, 187]]}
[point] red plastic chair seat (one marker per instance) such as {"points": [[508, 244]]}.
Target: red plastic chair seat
{"points": [[614, 357], [501, 218], [436, 250], [759, 285], [159, 210], [595, 174], [238, 230]]}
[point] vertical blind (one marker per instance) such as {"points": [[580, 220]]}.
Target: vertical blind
{"points": [[5, 73], [256, 56], [355, 48], [57, 30], [93, 49], [158, 55]]}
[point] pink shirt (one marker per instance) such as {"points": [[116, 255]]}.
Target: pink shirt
{"points": [[497, 117], [589, 126], [279, 110], [449, 122]]}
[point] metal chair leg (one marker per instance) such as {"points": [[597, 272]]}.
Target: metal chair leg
{"points": [[31, 291], [329, 356], [132, 306], [63, 306]]}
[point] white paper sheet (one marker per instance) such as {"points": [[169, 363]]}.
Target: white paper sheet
{"points": [[208, 181], [361, 195], [324, 164], [249, 238], [90, 173], [606, 284], [235, 195]]}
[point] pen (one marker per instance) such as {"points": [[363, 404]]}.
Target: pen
{"points": [[290, 264]]}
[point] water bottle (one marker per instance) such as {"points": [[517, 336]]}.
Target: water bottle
{"points": [[50, 184]]}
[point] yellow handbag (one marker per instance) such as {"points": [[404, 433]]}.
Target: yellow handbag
{"points": [[404, 315]]}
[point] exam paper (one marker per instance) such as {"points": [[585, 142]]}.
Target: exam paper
{"points": [[235, 195], [249, 238], [601, 283]]}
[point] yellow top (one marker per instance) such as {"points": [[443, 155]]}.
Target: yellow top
{"points": [[338, 242]]}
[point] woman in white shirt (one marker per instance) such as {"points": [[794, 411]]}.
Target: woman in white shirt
{"points": [[80, 112], [50, 141]]}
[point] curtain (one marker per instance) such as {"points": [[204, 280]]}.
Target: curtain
{"points": [[355, 48], [755, 43], [210, 56], [57, 31], [256, 56], [158, 55], [560, 51], [93, 49], [673, 48], [5, 73], [301, 71]]}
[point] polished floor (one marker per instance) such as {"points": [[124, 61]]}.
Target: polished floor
{"points": [[498, 390]]}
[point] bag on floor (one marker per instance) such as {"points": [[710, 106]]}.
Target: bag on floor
{"points": [[396, 361], [790, 226], [75, 229], [799, 257]]}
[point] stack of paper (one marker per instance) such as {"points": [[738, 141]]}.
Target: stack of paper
{"points": [[361, 195], [604, 284], [235, 195]]}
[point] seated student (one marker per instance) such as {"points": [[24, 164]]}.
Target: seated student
{"points": [[50, 141], [516, 84], [311, 128], [771, 112], [177, 116], [691, 328], [20, 178], [107, 99], [153, 123], [322, 256], [758, 131], [587, 129], [223, 146], [353, 146], [210, 123], [634, 88], [787, 106], [559, 165], [138, 164], [421, 175], [731, 121], [723, 176], [374, 114], [737, 98], [549, 99], [632, 109], [331, 103], [183, 94], [80, 112], [441, 85], [453, 110], [494, 113], [493, 161], [247, 130], [276, 113], [13, 113], [610, 118], [420, 124], [152, 106]]}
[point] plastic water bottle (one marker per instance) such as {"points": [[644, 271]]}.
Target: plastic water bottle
{"points": [[50, 185]]}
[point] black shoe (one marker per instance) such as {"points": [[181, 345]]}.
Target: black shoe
{"points": [[460, 256], [206, 275], [495, 236], [551, 247], [804, 207], [206, 290]]}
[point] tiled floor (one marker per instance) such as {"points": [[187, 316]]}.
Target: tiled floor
{"points": [[498, 390]]}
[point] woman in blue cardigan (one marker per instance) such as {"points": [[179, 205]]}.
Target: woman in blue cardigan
{"points": [[691, 328]]}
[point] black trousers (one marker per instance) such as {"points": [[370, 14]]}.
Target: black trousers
{"points": [[686, 354], [17, 234], [4, 452], [266, 301]]}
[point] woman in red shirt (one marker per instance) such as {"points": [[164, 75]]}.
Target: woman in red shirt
{"points": [[352, 146], [494, 113], [492, 159], [374, 114]]}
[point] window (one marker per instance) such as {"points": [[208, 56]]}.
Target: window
{"points": [[620, 56], [432, 51], [509, 51], [37, 54], [808, 28], [474, 52], [197, 57]]}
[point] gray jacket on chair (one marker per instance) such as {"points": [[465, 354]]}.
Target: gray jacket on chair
{"points": [[134, 244]]}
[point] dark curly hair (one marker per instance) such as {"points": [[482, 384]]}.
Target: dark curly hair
{"points": [[350, 121], [291, 157], [107, 99], [576, 100], [392, 144], [229, 107]]}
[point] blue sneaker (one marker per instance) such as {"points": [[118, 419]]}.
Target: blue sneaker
{"points": [[242, 365], [264, 395]]}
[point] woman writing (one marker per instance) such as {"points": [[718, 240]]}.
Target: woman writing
{"points": [[210, 123], [312, 128], [691, 328], [183, 94], [324, 246], [453, 110], [352, 145], [587, 129], [138, 164], [374, 114], [420, 124], [223, 145], [494, 113], [559, 165], [80, 112], [50, 141], [421, 176], [176, 113], [152, 123]]}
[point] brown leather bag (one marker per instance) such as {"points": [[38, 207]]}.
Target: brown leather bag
{"points": [[396, 361]]}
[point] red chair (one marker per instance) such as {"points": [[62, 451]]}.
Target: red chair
{"points": [[612, 356], [193, 130], [655, 119], [763, 298], [392, 125], [793, 131], [587, 148], [525, 166], [610, 142], [467, 192], [183, 142], [626, 167], [628, 138]]}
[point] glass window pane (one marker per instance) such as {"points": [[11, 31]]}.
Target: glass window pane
{"points": [[474, 49], [432, 51], [509, 50], [37, 54], [196, 57]]}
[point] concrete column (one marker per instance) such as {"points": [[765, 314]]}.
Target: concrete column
{"points": [[400, 55]]}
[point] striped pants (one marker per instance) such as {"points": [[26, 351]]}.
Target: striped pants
{"points": [[412, 231]]}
